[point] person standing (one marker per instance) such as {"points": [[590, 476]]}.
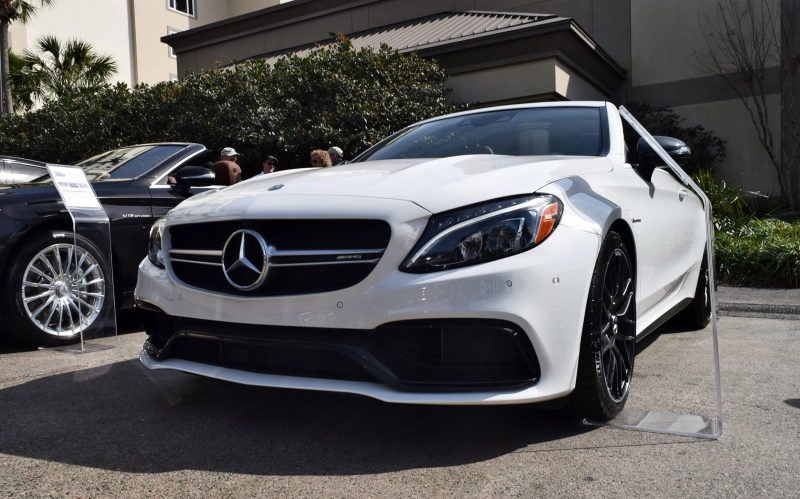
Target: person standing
{"points": [[320, 158], [268, 166], [336, 154], [226, 170]]}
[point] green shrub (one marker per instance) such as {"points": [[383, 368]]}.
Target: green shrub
{"points": [[759, 252], [749, 250], [335, 95], [727, 204]]}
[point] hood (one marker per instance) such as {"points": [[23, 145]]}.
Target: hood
{"points": [[434, 184]]}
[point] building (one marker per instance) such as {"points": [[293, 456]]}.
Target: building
{"points": [[129, 30], [501, 51]]}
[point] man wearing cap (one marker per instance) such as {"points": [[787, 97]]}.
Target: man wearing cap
{"points": [[268, 166], [226, 170], [336, 154]]}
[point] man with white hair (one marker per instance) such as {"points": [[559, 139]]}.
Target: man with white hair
{"points": [[336, 154]]}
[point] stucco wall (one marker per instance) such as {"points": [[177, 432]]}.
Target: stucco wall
{"points": [[668, 39], [746, 163], [105, 24], [239, 7], [108, 20]]}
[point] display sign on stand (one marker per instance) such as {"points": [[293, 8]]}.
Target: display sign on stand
{"points": [[89, 294], [656, 421]]}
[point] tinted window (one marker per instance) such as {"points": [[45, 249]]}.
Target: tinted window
{"points": [[571, 131], [128, 162]]}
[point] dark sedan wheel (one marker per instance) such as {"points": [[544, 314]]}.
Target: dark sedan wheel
{"points": [[56, 289], [605, 364]]}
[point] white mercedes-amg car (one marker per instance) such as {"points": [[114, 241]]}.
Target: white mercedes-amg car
{"points": [[498, 256]]}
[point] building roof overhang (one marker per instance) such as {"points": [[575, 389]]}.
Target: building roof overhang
{"points": [[461, 41]]}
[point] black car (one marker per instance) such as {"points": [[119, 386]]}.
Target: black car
{"points": [[15, 170], [52, 285]]}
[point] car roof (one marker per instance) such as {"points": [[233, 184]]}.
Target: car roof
{"points": [[529, 105]]}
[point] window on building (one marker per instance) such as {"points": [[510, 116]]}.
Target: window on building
{"points": [[171, 51], [185, 6]]}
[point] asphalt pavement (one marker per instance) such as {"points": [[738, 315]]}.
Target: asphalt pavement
{"points": [[101, 425]]}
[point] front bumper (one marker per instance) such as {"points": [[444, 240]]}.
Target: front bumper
{"points": [[423, 356], [539, 295]]}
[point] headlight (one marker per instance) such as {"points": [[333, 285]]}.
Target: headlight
{"points": [[484, 232], [154, 252]]}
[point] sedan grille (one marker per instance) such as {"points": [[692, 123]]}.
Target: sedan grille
{"points": [[303, 256]]}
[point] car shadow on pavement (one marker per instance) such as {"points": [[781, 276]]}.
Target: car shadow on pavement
{"points": [[125, 417]]}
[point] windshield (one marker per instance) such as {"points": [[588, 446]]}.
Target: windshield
{"points": [[127, 162], [571, 131]]}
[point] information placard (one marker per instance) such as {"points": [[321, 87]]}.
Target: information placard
{"points": [[90, 293], [74, 187]]}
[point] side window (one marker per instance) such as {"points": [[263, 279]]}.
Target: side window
{"points": [[205, 160], [184, 6]]}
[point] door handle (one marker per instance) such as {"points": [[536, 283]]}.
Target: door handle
{"points": [[682, 194]]}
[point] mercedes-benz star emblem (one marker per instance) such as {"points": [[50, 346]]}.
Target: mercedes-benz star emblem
{"points": [[245, 259]]}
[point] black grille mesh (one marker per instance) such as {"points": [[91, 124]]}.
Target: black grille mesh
{"points": [[283, 235]]}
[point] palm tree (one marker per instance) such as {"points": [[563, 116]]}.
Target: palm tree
{"points": [[21, 88], [62, 69], [12, 11]]}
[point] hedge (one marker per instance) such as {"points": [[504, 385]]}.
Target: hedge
{"points": [[334, 95], [751, 250]]}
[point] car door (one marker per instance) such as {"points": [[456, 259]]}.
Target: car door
{"points": [[163, 197], [127, 205], [666, 232]]}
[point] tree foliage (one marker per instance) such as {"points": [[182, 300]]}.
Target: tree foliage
{"points": [[22, 90], [334, 95], [12, 11], [59, 69]]}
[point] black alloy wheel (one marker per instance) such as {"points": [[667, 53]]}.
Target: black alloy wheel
{"points": [[605, 364]]}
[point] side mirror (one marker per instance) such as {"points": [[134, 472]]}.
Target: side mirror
{"points": [[193, 176], [649, 160]]}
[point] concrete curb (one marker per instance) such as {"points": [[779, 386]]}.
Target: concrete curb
{"points": [[759, 302], [759, 310]]}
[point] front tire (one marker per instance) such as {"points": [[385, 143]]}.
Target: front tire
{"points": [[605, 363], [56, 289]]}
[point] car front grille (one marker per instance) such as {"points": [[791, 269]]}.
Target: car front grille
{"points": [[305, 256]]}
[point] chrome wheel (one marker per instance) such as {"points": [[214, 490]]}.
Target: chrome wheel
{"points": [[63, 289], [618, 325]]}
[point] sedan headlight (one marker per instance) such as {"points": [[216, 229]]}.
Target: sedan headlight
{"points": [[154, 252], [485, 232]]}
